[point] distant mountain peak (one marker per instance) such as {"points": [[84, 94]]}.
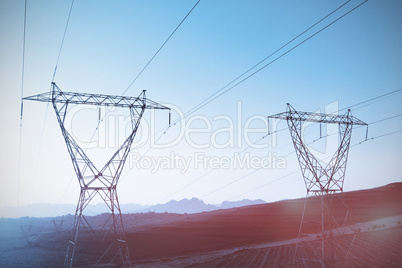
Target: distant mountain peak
{"points": [[195, 205], [186, 205]]}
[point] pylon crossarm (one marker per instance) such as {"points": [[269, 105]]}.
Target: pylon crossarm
{"points": [[321, 184], [92, 181], [318, 118], [292, 114], [315, 175], [59, 96]]}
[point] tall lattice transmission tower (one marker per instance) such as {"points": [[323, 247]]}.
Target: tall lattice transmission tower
{"points": [[326, 233], [94, 243]]}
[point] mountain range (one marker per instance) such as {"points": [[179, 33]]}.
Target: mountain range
{"points": [[193, 205]]}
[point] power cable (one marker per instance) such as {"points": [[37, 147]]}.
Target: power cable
{"points": [[380, 136], [244, 176], [261, 186], [156, 53], [369, 102], [213, 97], [213, 170], [238, 179], [287, 175], [23, 63], [276, 131], [383, 95], [58, 58], [62, 40], [21, 115], [241, 178], [261, 61], [22, 106], [247, 71], [47, 106], [375, 101], [143, 69], [381, 120], [360, 126], [50, 92]]}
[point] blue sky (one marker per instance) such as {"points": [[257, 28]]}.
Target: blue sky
{"points": [[107, 44]]}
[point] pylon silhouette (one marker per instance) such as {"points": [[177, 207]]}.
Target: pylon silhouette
{"points": [[105, 244]]}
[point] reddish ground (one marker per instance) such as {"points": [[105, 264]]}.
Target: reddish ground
{"points": [[227, 229], [371, 249], [236, 237]]}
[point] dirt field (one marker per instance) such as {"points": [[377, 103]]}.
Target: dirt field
{"points": [[253, 236], [371, 249], [259, 224]]}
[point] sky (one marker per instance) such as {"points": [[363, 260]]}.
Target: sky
{"points": [[217, 152]]}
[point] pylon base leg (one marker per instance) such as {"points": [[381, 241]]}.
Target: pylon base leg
{"points": [[98, 240], [327, 233]]}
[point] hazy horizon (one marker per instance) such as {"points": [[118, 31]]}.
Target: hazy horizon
{"points": [[216, 153]]}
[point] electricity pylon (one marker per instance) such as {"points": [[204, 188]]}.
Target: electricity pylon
{"points": [[322, 237], [111, 246]]}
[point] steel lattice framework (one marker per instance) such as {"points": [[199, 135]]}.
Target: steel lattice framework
{"points": [[96, 182], [319, 237]]}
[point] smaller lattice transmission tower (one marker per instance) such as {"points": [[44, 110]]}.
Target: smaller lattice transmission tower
{"points": [[97, 244], [326, 221]]}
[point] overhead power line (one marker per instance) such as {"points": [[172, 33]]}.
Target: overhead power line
{"points": [[381, 120], [23, 61], [369, 100], [62, 40], [47, 105], [143, 69], [291, 173], [265, 184], [58, 58], [22, 88], [280, 178], [22, 105], [242, 177], [380, 136], [225, 89], [164, 43], [219, 93], [261, 61], [213, 170], [369, 124]]}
